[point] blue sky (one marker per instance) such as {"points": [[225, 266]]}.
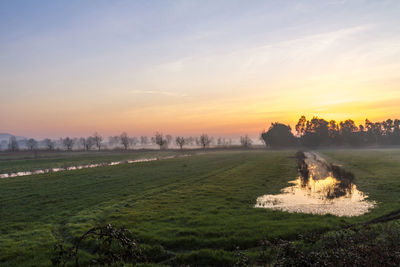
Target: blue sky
{"points": [[74, 67]]}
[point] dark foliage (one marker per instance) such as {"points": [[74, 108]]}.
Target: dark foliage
{"points": [[318, 132], [346, 181], [113, 246], [278, 136], [302, 167], [365, 246], [241, 259]]}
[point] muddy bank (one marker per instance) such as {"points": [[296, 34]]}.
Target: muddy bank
{"points": [[321, 188]]}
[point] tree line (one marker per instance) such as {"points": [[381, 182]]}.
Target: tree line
{"points": [[122, 141], [319, 132]]}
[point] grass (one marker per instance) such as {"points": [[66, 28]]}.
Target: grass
{"points": [[28, 161], [377, 173], [198, 209]]}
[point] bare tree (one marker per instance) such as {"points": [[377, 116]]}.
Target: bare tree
{"points": [[82, 141], [124, 138], [180, 141], [144, 140], [246, 141], [68, 143], [205, 141], [13, 144], [97, 140], [49, 144], [153, 140], [222, 141], [32, 144], [161, 141], [87, 143]]}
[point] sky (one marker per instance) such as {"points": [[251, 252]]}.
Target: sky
{"points": [[226, 68]]}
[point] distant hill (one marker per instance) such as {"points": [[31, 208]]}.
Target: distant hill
{"points": [[6, 136]]}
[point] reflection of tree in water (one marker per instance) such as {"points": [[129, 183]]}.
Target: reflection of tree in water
{"points": [[303, 168], [343, 180]]}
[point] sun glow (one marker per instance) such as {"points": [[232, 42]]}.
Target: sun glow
{"points": [[221, 76]]}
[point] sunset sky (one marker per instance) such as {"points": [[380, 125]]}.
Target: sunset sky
{"points": [[190, 67]]}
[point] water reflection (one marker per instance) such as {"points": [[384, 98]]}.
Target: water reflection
{"points": [[321, 188], [51, 170]]}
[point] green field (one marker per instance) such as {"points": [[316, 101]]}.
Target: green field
{"points": [[192, 210], [29, 161]]}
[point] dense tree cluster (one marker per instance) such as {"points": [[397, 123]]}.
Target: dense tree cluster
{"points": [[318, 132], [278, 136]]}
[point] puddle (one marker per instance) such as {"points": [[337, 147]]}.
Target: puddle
{"points": [[71, 168], [321, 188]]}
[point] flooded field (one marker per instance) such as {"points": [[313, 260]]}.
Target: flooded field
{"points": [[321, 188], [71, 168], [188, 202]]}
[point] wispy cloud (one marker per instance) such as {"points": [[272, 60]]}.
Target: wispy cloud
{"points": [[159, 92]]}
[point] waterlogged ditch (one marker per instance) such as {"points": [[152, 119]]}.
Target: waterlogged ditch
{"points": [[71, 168], [321, 188]]}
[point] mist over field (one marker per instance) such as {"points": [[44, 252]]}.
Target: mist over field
{"points": [[200, 133]]}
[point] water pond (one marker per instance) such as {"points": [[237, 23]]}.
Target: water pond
{"points": [[321, 188]]}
